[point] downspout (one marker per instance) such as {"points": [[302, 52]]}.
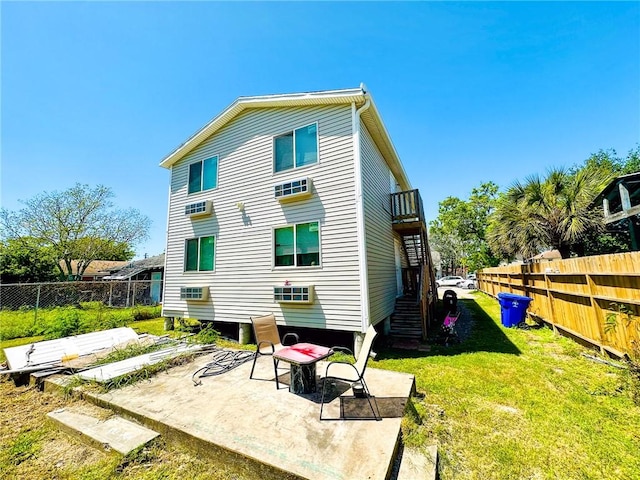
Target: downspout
{"points": [[362, 249], [166, 253]]}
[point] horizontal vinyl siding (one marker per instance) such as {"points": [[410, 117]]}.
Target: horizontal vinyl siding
{"points": [[379, 234], [243, 281]]}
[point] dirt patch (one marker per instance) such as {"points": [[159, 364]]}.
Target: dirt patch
{"points": [[507, 409], [58, 454]]}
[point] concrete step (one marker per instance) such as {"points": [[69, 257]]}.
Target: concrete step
{"points": [[115, 433], [415, 464]]}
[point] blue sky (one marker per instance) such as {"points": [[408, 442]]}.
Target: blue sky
{"points": [[99, 93]]}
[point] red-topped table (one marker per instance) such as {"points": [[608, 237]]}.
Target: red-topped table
{"points": [[303, 358]]}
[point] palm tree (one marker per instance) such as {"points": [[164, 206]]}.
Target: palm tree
{"points": [[552, 212]]}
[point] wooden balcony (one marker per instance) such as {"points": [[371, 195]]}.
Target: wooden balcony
{"points": [[407, 214]]}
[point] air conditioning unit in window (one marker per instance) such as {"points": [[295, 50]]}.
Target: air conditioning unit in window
{"points": [[194, 294], [293, 294], [198, 209], [293, 190]]}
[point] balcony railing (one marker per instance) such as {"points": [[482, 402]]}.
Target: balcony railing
{"points": [[406, 207]]}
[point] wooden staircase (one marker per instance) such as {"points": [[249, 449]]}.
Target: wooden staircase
{"points": [[406, 321], [413, 315], [415, 248]]}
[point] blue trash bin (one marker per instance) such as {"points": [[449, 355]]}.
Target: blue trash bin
{"points": [[513, 308]]}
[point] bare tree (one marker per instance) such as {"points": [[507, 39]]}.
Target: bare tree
{"points": [[79, 224]]}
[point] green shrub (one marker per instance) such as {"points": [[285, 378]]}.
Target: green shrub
{"points": [[10, 332], [95, 305], [207, 335], [190, 325], [108, 320], [66, 323], [146, 313]]}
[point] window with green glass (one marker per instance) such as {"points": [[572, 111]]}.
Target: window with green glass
{"points": [[307, 244], [296, 149], [297, 245], [191, 261], [283, 152], [199, 254], [284, 247], [203, 175]]}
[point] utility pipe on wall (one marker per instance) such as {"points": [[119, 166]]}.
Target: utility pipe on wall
{"points": [[362, 250]]}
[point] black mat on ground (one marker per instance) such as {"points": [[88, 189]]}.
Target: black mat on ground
{"points": [[357, 407]]}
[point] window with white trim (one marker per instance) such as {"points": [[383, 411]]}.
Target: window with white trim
{"points": [[203, 175], [199, 254], [297, 245], [296, 149]]}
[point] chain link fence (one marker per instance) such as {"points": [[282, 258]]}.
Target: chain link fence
{"points": [[61, 294]]}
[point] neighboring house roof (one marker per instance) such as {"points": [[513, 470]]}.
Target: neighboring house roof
{"points": [[629, 178], [622, 198], [131, 269], [357, 96], [548, 256], [97, 267]]}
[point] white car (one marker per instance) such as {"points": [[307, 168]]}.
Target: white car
{"points": [[468, 284], [450, 281]]}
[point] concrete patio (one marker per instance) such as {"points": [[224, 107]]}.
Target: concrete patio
{"points": [[276, 433]]}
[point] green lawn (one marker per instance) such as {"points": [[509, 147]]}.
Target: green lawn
{"points": [[64, 321], [516, 404]]}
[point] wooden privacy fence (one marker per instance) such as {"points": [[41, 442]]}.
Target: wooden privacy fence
{"points": [[579, 296]]}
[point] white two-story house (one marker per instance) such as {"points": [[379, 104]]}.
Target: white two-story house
{"points": [[295, 204]]}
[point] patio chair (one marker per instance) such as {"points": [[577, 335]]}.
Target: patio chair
{"points": [[352, 373], [268, 341]]}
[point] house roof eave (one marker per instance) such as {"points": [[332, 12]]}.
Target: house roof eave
{"points": [[358, 96], [328, 97], [372, 119]]}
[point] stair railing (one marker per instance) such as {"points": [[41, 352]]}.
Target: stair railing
{"points": [[422, 300], [406, 206]]}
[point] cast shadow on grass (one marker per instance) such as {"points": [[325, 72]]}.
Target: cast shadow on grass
{"points": [[483, 334]]}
